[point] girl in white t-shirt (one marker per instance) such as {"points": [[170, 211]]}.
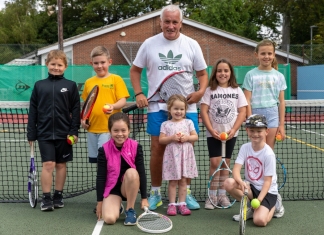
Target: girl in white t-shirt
{"points": [[223, 109]]}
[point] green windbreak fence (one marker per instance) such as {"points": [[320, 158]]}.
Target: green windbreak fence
{"points": [[17, 82]]}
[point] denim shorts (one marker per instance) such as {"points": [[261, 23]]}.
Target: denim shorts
{"points": [[95, 141], [271, 114], [155, 120]]}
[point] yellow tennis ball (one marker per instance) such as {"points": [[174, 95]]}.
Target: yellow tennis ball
{"points": [[70, 140], [223, 136], [255, 203], [278, 138], [106, 108]]}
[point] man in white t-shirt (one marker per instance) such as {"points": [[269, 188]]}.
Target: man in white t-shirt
{"points": [[163, 54]]}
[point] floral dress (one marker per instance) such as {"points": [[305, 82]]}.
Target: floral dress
{"points": [[179, 158]]}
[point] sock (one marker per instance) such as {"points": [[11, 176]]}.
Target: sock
{"points": [[46, 195], [221, 191], [57, 192], [172, 203], [182, 203], [188, 186], [156, 189], [213, 192]]}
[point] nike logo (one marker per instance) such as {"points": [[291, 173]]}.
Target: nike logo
{"points": [[64, 156], [64, 89]]}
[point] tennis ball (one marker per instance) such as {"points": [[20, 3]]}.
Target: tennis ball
{"points": [[255, 203], [70, 140], [107, 108], [278, 138], [223, 136]]}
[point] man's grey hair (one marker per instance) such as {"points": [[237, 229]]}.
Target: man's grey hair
{"points": [[171, 8]]}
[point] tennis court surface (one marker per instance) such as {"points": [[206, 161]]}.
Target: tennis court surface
{"points": [[301, 153]]}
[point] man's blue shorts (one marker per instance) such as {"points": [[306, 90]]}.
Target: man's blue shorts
{"points": [[155, 120]]}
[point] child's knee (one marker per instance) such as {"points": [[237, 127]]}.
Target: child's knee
{"points": [[261, 222], [131, 174], [229, 184], [109, 219]]}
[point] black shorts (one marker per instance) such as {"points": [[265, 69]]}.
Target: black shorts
{"points": [[117, 190], [215, 147], [58, 151], [269, 201]]}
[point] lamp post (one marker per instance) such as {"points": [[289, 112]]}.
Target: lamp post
{"points": [[311, 42]]}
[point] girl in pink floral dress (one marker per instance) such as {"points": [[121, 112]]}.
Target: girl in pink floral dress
{"points": [[179, 161]]}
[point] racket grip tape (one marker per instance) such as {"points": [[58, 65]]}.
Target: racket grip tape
{"points": [[129, 108]]}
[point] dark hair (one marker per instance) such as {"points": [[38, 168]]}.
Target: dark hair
{"points": [[213, 83], [267, 42], [117, 117]]}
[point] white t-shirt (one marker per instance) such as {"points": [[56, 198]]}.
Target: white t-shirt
{"points": [[223, 107], [265, 87], [258, 165], [161, 57]]}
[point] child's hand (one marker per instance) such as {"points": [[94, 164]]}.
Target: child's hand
{"points": [[99, 210], [215, 134], [145, 203], [108, 108], [184, 138], [178, 137], [84, 124], [231, 134]]}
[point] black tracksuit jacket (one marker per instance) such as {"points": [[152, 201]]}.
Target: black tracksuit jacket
{"points": [[54, 110]]}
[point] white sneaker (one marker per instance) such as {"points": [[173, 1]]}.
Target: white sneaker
{"points": [[280, 210], [280, 213], [223, 200], [209, 205], [249, 215]]}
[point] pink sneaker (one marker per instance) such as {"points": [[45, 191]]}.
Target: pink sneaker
{"points": [[172, 210], [183, 210]]}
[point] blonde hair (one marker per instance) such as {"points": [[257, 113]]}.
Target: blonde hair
{"points": [[100, 51], [174, 98], [56, 54], [171, 8], [267, 42]]}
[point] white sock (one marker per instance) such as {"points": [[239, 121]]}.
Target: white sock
{"points": [[188, 186], [156, 189], [182, 203], [221, 191], [213, 192]]}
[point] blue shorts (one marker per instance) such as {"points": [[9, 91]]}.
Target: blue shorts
{"points": [[155, 120], [95, 141], [271, 114]]}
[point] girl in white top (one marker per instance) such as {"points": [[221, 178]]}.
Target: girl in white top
{"points": [[223, 109], [264, 89]]}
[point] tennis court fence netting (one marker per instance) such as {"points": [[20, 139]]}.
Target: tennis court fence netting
{"points": [[302, 154]]}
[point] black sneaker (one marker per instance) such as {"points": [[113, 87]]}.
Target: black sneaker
{"points": [[47, 204], [58, 200]]}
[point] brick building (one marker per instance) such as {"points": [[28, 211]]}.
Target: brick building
{"points": [[125, 37]]}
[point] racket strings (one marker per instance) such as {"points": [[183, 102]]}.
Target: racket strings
{"points": [[181, 83], [154, 222]]}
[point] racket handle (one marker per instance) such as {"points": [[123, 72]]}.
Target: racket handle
{"points": [[130, 108]]}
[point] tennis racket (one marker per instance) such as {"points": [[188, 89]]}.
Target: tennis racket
{"points": [[281, 174], [89, 103], [152, 222], [180, 82], [243, 211], [32, 180], [216, 182]]}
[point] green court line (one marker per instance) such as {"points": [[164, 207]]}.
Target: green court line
{"points": [[307, 144]]}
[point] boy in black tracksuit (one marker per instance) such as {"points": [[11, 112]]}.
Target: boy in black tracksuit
{"points": [[54, 116]]}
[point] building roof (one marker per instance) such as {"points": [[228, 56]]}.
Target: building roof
{"points": [[128, 22]]}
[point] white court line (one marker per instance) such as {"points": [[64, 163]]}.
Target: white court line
{"points": [[312, 132], [98, 227]]}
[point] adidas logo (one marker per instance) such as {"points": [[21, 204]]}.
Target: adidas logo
{"points": [[169, 60]]}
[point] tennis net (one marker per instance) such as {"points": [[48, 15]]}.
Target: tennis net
{"points": [[301, 153]]}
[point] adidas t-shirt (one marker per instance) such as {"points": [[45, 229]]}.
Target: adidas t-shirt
{"points": [[161, 57]]}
